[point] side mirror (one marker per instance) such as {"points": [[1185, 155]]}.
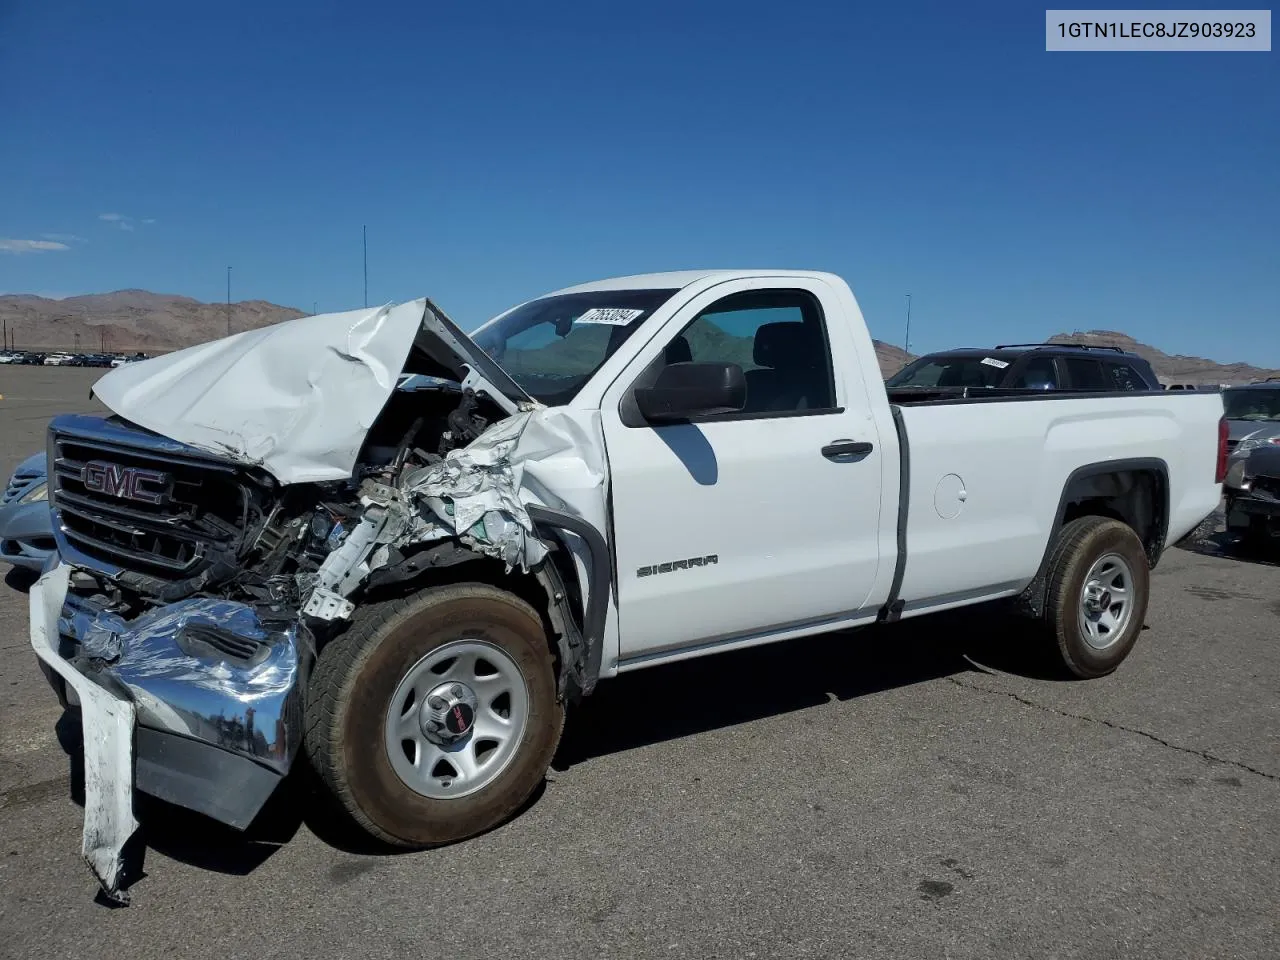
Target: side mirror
{"points": [[683, 391]]}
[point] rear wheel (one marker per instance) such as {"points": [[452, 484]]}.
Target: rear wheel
{"points": [[434, 717], [1099, 582]]}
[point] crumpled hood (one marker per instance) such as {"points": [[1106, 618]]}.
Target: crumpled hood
{"points": [[297, 398]]}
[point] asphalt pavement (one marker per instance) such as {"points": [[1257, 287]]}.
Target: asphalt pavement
{"points": [[930, 789]]}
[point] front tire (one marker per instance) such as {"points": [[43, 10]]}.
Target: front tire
{"points": [[1099, 585], [434, 717]]}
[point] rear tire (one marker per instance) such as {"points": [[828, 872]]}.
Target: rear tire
{"points": [[389, 664], [1098, 589]]}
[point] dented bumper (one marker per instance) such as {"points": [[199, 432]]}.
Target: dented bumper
{"points": [[199, 703]]}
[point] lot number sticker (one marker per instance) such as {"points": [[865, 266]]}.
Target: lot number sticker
{"points": [[610, 316]]}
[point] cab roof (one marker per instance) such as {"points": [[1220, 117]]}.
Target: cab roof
{"points": [[679, 279]]}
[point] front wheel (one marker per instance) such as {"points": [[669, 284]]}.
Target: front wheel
{"points": [[434, 717], [1099, 583]]}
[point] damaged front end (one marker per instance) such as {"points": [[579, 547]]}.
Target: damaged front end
{"points": [[209, 549], [1252, 491]]}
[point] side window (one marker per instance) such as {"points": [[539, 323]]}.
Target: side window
{"points": [[1038, 374], [1124, 377], [777, 337], [1086, 374]]}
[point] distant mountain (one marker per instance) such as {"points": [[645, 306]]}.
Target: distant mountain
{"points": [[891, 358], [1171, 369], [131, 320], [128, 320]]}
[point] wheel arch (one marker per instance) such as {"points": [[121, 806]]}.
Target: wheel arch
{"points": [[1133, 491], [573, 612]]}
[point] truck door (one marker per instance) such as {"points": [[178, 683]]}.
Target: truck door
{"points": [[752, 522]]}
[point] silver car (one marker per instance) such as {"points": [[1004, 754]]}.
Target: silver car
{"points": [[1253, 414], [1252, 487], [1252, 493]]}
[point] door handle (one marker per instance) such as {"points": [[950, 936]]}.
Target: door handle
{"points": [[844, 450]]}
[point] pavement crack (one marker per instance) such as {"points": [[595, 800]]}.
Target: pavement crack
{"points": [[1202, 754]]}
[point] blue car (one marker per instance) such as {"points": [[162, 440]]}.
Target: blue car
{"points": [[26, 529]]}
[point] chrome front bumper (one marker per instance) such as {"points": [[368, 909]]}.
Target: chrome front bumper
{"points": [[199, 703]]}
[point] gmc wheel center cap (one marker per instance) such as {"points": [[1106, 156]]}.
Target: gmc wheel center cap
{"points": [[449, 713], [459, 719]]}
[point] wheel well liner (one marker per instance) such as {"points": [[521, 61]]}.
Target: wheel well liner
{"points": [[580, 632], [599, 584], [1135, 492]]}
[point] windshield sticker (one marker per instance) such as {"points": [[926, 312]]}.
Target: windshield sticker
{"points": [[993, 362], [610, 316]]}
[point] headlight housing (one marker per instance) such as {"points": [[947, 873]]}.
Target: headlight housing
{"points": [[37, 493], [1235, 475]]}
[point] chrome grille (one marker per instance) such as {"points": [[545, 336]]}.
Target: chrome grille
{"points": [[173, 536]]}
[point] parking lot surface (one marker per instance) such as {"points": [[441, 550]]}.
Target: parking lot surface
{"points": [[929, 789]]}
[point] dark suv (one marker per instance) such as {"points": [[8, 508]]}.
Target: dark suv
{"points": [[1029, 366]]}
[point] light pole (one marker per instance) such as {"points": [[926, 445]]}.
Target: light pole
{"points": [[906, 342], [228, 301]]}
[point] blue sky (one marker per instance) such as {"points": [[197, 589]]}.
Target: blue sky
{"points": [[498, 151]]}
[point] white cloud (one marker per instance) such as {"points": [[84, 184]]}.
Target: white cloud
{"points": [[30, 246], [124, 222], [119, 219], [64, 237]]}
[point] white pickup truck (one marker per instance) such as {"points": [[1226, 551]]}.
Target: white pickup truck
{"points": [[404, 550]]}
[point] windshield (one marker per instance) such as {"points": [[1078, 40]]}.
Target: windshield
{"points": [[1252, 404], [552, 346], [950, 372]]}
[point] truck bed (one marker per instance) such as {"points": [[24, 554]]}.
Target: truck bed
{"points": [[986, 477]]}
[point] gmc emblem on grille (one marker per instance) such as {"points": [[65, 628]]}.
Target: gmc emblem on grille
{"points": [[128, 483]]}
